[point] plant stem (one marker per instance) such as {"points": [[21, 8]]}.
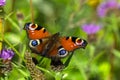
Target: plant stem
{"points": [[32, 14], [1, 33]]}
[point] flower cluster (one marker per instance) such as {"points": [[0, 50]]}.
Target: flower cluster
{"points": [[104, 7], [2, 2], [6, 54], [91, 28]]}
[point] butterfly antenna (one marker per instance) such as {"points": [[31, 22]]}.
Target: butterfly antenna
{"points": [[68, 60]]}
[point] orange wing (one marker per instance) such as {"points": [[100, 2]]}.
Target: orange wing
{"points": [[72, 43], [35, 31]]}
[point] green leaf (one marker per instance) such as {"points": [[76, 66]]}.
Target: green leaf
{"points": [[12, 37], [116, 53]]}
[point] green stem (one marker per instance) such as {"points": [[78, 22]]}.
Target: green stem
{"points": [[1, 33], [58, 76], [13, 23], [81, 69]]}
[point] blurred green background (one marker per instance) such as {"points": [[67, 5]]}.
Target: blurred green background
{"points": [[100, 59]]}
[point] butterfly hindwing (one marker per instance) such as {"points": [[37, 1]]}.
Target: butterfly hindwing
{"points": [[56, 46], [48, 47]]}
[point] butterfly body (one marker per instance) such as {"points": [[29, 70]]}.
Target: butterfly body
{"points": [[52, 46]]}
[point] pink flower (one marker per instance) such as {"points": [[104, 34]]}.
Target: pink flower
{"points": [[2, 2], [6, 54], [104, 7], [91, 28]]}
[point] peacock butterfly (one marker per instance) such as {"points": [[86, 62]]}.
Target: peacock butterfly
{"points": [[49, 45]]}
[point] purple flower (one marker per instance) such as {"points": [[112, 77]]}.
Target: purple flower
{"points": [[91, 28], [6, 54], [2, 2], [104, 7]]}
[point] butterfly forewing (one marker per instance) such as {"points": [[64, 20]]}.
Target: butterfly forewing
{"points": [[36, 32]]}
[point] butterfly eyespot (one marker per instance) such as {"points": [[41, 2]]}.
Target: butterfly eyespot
{"points": [[79, 41], [27, 25], [84, 43], [34, 43], [62, 52], [33, 26]]}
